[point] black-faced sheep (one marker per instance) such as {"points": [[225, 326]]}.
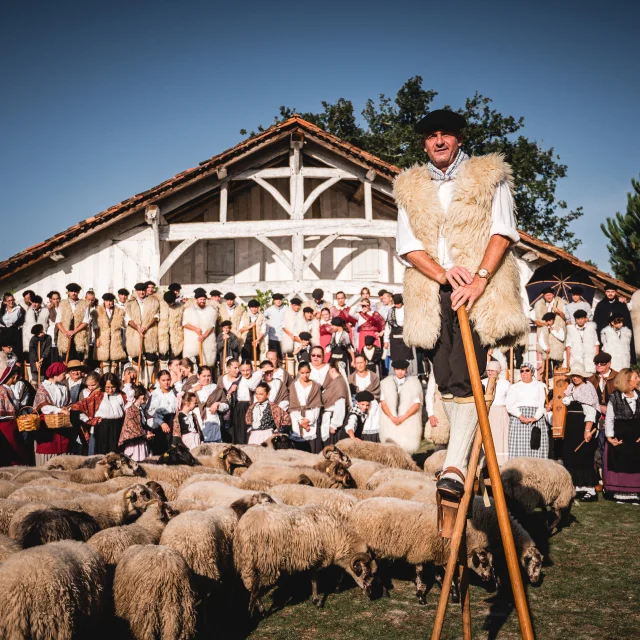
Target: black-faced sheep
{"points": [[397, 529], [7, 547], [298, 495], [176, 454], [535, 482], [224, 457], [390, 455], [51, 591], [274, 539], [153, 593]]}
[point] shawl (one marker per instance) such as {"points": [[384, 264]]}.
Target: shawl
{"points": [[90, 405], [217, 395], [7, 402], [374, 385], [335, 389], [314, 400], [132, 427], [281, 418], [343, 341], [42, 398], [282, 394], [373, 321], [584, 394]]}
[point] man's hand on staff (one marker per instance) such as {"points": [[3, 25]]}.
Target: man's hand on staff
{"points": [[456, 277], [468, 293]]}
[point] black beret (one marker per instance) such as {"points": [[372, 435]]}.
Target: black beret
{"points": [[169, 297], [175, 286], [295, 301], [602, 358], [440, 120], [317, 294], [123, 292], [400, 364], [72, 286], [253, 303], [609, 287], [37, 299], [577, 291], [307, 310], [337, 322], [199, 293], [277, 296], [150, 283], [36, 329], [140, 286], [364, 396], [108, 296], [225, 323], [230, 296], [580, 313], [548, 316], [369, 340], [382, 292], [305, 335], [28, 292], [397, 298], [547, 290], [215, 292]]}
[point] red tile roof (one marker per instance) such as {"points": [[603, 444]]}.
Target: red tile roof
{"points": [[186, 178]]}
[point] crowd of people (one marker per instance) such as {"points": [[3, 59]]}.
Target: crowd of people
{"points": [[142, 371]]}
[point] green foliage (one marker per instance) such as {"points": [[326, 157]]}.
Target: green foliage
{"points": [[264, 298], [388, 133], [623, 233]]}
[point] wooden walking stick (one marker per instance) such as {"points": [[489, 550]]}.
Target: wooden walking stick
{"points": [[201, 361], [585, 441], [223, 364], [511, 365], [39, 364], [546, 370], [483, 437], [140, 358], [255, 355]]}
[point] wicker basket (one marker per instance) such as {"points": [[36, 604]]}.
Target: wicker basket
{"points": [[29, 421], [57, 421]]}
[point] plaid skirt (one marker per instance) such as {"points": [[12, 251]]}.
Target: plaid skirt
{"points": [[520, 436]]}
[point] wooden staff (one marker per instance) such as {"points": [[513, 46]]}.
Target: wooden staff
{"points": [[39, 363], [253, 342], [66, 360], [511, 359], [140, 357], [223, 365], [585, 440], [546, 369], [201, 361], [483, 437]]}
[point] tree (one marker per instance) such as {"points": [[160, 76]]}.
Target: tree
{"points": [[387, 132], [623, 233]]}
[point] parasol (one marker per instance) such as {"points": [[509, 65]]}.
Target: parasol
{"points": [[561, 275]]}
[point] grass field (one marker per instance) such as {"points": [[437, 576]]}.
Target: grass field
{"points": [[590, 590]]}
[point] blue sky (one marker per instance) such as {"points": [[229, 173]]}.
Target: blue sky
{"points": [[104, 100]]}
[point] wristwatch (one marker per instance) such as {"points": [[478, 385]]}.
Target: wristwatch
{"points": [[483, 273]]}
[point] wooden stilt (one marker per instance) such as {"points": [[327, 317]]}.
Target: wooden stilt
{"points": [[511, 359], [465, 598], [201, 361], [140, 357]]}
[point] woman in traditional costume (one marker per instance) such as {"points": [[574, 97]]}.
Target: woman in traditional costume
{"points": [[264, 418], [498, 416], [363, 379], [305, 398]]}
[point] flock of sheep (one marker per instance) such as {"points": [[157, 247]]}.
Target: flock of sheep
{"points": [[99, 541]]}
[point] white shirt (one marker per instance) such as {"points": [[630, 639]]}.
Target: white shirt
{"points": [[310, 414], [319, 375], [203, 395], [246, 386], [500, 394], [111, 407], [362, 382], [274, 319], [610, 416], [161, 400], [59, 395], [127, 317], [399, 322], [503, 223], [257, 413], [87, 312], [556, 333], [523, 394]]}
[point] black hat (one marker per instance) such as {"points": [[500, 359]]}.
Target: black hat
{"points": [[382, 292], [369, 340], [337, 322], [577, 291], [397, 298], [609, 287], [317, 294], [28, 292], [602, 358], [295, 301], [5, 339], [140, 286], [230, 296], [440, 120], [72, 286], [225, 323], [108, 296], [123, 292], [199, 293], [307, 310], [215, 292], [149, 283], [36, 329], [400, 364], [175, 286], [169, 297], [304, 335], [580, 313], [36, 298], [547, 290], [364, 396], [277, 296], [253, 303], [548, 316]]}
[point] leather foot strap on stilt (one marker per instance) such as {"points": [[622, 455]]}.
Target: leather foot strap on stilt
{"points": [[448, 500]]}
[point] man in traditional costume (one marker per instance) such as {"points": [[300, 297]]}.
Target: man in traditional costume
{"points": [[151, 288], [293, 324], [312, 325], [170, 331], [319, 303], [72, 321], [582, 341], [199, 323], [252, 333], [456, 225], [394, 342], [608, 307], [215, 298], [232, 312], [551, 340], [123, 297], [142, 315], [274, 317], [109, 320], [36, 314], [176, 288], [52, 329]]}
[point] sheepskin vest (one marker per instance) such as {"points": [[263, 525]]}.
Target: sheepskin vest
{"points": [[583, 345], [109, 333], [555, 346], [294, 322], [146, 320], [170, 331], [618, 346], [69, 317], [203, 319], [31, 319], [409, 433], [247, 337], [497, 315], [233, 316]]}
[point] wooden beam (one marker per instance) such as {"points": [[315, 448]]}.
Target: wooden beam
{"points": [[368, 203], [224, 195], [327, 172], [278, 197], [176, 252], [265, 174], [277, 251], [297, 252], [321, 188], [320, 247], [276, 228]]}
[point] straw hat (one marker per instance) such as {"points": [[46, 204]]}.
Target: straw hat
{"points": [[578, 370]]}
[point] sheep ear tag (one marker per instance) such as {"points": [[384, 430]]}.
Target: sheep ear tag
{"points": [[221, 455]]}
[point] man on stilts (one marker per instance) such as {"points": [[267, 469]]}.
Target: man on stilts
{"points": [[456, 225]]}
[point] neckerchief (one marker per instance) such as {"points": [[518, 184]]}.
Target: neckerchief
{"points": [[451, 171]]}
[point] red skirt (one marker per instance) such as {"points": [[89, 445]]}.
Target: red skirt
{"points": [[363, 333], [12, 447]]}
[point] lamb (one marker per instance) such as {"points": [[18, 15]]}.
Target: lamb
{"points": [[397, 529], [52, 591], [298, 495], [33, 525], [113, 542], [535, 482], [385, 475], [390, 455], [154, 594], [7, 487], [405, 488], [336, 476], [433, 464], [7, 547], [213, 493], [273, 539], [362, 470]]}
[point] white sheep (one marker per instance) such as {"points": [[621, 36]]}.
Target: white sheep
{"points": [[385, 475], [213, 493], [336, 476], [273, 539], [173, 474], [433, 464], [8, 509], [7, 487], [362, 470], [298, 495], [390, 455], [7, 547], [360, 494], [405, 488]]}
